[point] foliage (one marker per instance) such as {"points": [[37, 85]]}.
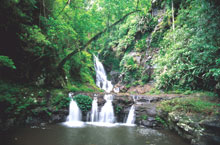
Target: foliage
{"points": [[84, 102], [189, 55], [145, 78], [60, 101], [155, 91], [82, 70], [190, 105], [6, 61], [130, 69], [118, 109], [81, 88], [160, 120], [35, 42], [15, 100], [143, 117]]}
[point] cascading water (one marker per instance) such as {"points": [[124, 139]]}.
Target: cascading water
{"points": [[101, 77], [94, 113], [131, 116], [75, 116], [74, 112], [107, 112]]}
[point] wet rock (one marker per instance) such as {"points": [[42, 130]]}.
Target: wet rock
{"points": [[150, 122]]}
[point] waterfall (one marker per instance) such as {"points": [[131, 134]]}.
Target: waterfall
{"points": [[74, 112], [101, 77], [94, 113], [75, 116], [131, 116], [107, 112]]}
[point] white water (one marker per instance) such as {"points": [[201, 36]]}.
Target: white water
{"points": [[101, 77], [131, 116], [94, 113], [75, 116], [74, 112], [107, 112], [116, 90]]}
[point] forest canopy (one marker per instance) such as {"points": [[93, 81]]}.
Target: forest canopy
{"points": [[52, 42]]}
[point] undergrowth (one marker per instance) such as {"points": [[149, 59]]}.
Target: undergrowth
{"points": [[191, 105]]}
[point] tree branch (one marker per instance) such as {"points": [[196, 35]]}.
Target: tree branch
{"points": [[60, 65], [67, 3]]}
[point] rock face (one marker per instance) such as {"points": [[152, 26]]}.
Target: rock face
{"points": [[122, 106], [114, 77], [199, 130], [41, 116], [145, 114]]}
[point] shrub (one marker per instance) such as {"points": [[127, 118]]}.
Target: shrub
{"points": [[84, 102], [160, 120], [60, 101]]}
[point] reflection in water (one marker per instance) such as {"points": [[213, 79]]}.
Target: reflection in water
{"points": [[89, 135]]}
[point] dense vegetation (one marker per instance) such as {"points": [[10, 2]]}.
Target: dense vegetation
{"points": [[189, 54], [45, 35]]}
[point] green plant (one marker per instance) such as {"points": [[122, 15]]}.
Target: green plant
{"points": [[118, 109], [155, 91], [84, 102], [190, 105], [143, 117], [160, 120], [6, 61], [145, 78], [60, 101], [188, 58]]}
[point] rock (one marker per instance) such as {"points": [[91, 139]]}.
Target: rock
{"points": [[147, 123], [115, 77], [198, 129], [210, 139], [146, 109], [136, 56], [43, 124], [140, 89], [33, 121], [212, 125]]}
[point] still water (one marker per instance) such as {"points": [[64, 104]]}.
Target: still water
{"points": [[60, 134]]}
